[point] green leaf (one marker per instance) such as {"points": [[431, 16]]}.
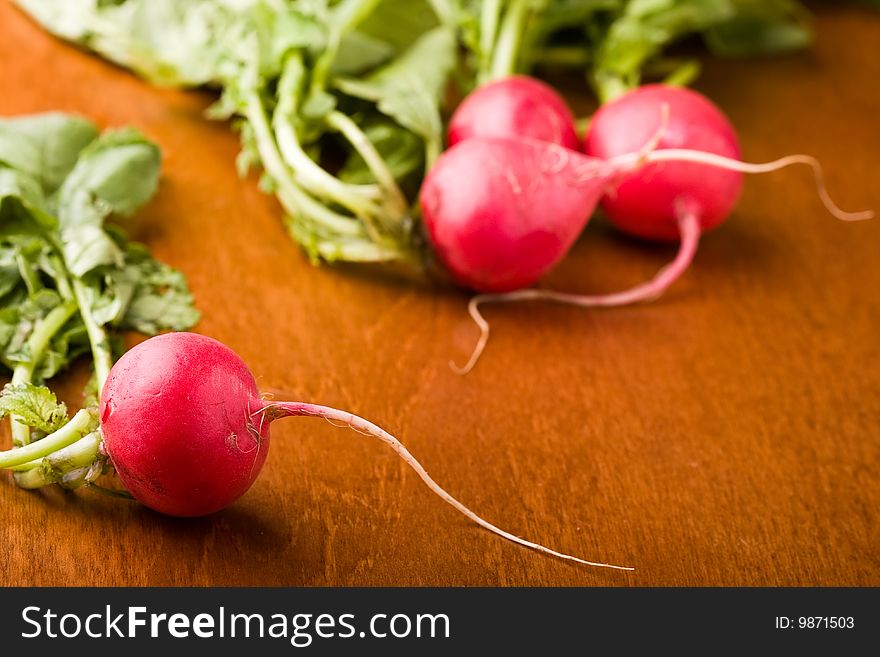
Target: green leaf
{"points": [[360, 52], [116, 173], [70, 19], [68, 344], [166, 41], [644, 28], [121, 168], [19, 318], [143, 295], [742, 38], [280, 31], [44, 146], [21, 206], [36, 406], [10, 276], [21, 186], [409, 88], [399, 23]]}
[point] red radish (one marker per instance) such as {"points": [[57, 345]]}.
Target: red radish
{"points": [[502, 212], [515, 106], [648, 202], [187, 430]]}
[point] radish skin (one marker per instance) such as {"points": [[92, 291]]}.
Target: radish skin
{"points": [[187, 431]]}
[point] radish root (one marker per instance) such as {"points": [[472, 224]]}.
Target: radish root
{"points": [[290, 409], [689, 229], [688, 226], [636, 160]]}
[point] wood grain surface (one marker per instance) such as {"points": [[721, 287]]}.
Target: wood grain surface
{"points": [[728, 434]]}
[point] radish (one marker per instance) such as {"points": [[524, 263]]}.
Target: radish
{"points": [[650, 202], [501, 212], [188, 432], [515, 106]]}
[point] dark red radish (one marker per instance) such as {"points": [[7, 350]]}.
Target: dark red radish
{"points": [[188, 432], [515, 106], [500, 213]]}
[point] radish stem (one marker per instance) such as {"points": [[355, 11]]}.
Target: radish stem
{"points": [[66, 435], [37, 344], [61, 465], [504, 59], [101, 353]]}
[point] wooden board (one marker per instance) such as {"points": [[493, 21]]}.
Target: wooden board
{"points": [[728, 434]]}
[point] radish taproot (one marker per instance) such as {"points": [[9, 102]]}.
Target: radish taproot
{"points": [[515, 106], [666, 162], [188, 432]]}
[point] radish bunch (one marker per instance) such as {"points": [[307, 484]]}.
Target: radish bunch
{"points": [[509, 198]]}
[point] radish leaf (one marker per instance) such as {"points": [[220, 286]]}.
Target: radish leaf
{"points": [[35, 405]]}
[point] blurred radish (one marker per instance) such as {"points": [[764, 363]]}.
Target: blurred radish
{"points": [[653, 202], [502, 212], [515, 106]]}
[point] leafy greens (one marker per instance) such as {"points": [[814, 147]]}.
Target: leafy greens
{"points": [[70, 283]]}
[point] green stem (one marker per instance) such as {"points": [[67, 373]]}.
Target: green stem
{"points": [[608, 87], [489, 14], [36, 346], [269, 155], [294, 200], [507, 46], [306, 171], [433, 148], [684, 74], [30, 277], [335, 248], [66, 466], [77, 455], [66, 435], [61, 278], [340, 236], [375, 162], [102, 356]]}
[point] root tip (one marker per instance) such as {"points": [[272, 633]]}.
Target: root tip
{"points": [[459, 369]]}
